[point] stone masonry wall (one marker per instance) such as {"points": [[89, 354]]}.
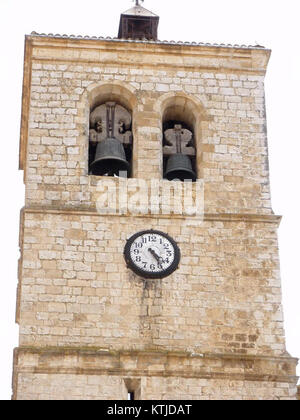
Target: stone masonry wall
{"points": [[214, 328], [78, 387], [74, 373], [76, 289], [230, 131]]}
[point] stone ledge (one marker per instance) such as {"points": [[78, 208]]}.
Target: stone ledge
{"points": [[82, 49], [97, 361], [220, 217]]}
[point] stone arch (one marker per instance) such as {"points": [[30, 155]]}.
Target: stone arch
{"points": [[182, 107], [185, 105], [118, 91]]}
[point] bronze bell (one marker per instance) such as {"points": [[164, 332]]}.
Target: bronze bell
{"points": [[179, 166], [110, 158]]}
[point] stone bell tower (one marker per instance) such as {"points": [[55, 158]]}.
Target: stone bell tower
{"points": [[158, 303]]}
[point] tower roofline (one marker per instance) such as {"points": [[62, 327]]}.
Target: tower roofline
{"points": [[34, 34]]}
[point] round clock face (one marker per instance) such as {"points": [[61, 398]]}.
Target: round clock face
{"points": [[152, 254]]}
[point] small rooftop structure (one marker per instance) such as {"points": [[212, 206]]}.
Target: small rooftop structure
{"points": [[138, 23]]}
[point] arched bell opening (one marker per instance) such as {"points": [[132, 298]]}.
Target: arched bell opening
{"points": [[179, 145], [110, 139], [110, 124]]}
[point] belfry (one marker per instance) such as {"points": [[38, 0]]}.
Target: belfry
{"points": [[147, 300]]}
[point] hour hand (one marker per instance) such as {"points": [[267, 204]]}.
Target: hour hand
{"points": [[157, 257]]}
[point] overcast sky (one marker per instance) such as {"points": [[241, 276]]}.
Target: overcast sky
{"points": [[272, 23]]}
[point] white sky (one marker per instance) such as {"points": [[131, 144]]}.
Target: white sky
{"points": [[272, 23]]}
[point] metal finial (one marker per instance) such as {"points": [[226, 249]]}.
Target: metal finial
{"points": [[137, 2]]}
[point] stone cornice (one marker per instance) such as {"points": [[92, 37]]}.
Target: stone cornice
{"points": [[220, 217], [92, 361], [145, 41], [163, 55]]}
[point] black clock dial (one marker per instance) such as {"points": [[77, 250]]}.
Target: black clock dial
{"points": [[152, 254]]}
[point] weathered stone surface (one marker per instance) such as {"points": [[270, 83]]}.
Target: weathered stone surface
{"points": [[159, 375], [88, 325], [224, 297]]}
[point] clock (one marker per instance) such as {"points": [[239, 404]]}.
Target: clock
{"points": [[152, 254]]}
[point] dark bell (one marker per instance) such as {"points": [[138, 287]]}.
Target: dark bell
{"points": [[110, 158], [179, 166]]}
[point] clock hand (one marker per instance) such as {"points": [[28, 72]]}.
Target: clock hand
{"points": [[157, 257]]}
